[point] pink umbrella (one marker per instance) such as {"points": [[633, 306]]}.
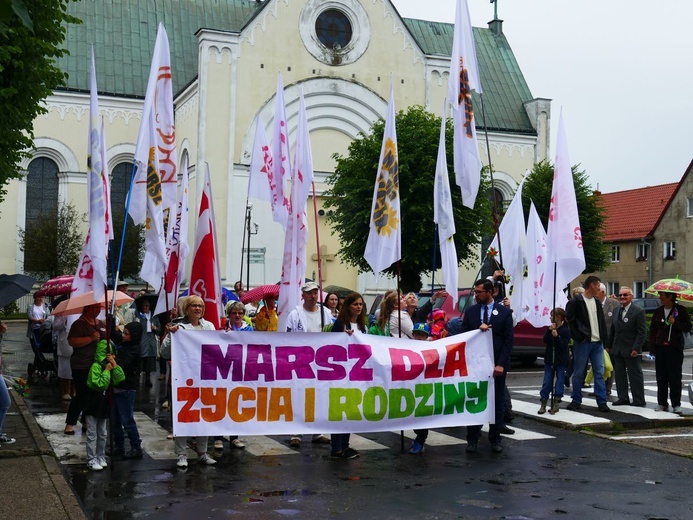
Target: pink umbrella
{"points": [[57, 286], [76, 304], [261, 292]]}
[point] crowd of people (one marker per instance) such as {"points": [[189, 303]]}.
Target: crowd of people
{"points": [[592, 330]]}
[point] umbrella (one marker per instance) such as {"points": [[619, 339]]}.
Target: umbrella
{"points": [[682, 288], [227, 295], [57, 286], [261, 292], [14, 286], [76, 304]]}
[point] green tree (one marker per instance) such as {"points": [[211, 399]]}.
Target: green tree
{"points": [[31, 33], [133, 247], [351, 194], [537, 188], [53, 243]]}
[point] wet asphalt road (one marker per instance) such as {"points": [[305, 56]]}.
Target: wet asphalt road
{"points": [[568, 475]]}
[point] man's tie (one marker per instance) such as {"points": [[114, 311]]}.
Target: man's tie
{"points": [[620, 314], [486, 314]]}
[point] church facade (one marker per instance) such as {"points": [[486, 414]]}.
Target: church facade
{"points": [[226, 56]]}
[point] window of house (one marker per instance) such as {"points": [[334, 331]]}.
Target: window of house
{"points": [[41, 190], [689, 207], [615, 254], [669, 250], [641, 251], [612, 288], [333, 29], [639, 289]]}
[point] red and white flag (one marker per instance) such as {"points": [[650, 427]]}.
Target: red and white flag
{"points": [[296, 240], [445, 218], [564, 237], [280, 159], [512, 246], [464, 76], [205, 281], [92, 272], [385, 236], [178, 248]]}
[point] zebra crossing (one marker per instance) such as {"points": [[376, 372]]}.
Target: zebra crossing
{"points": [[157, 445]]}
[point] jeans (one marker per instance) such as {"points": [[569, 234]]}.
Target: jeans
{"points": [[549, 372], [122, 419], [4, 401], [340, 441], [181, 444], [594, 351], [97, 432]]}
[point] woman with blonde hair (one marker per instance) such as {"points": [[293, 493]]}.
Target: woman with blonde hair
{"points": [[194, 309], [394, 320]]}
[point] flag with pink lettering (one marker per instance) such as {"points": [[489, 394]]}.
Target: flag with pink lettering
{"points": [[281, 163], [537, 286]]}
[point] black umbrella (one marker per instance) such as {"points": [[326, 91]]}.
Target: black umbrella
{"points": [[13, 287], [150, 297]]}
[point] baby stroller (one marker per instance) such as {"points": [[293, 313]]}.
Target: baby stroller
{"points": [[45, 358]]}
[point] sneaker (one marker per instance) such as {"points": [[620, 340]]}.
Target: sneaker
{"points": [[182, 461], [321, 439], [206, 459], [218, 445], [662, 408], [103, 462], [350, 453], [134, 453], [4, 439], [677, 409], [295, 442], [238, 444], [416, 448], [94, 465], [574, 406]]}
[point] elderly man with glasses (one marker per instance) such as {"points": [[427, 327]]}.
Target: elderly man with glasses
{"points": [[626, 339]]}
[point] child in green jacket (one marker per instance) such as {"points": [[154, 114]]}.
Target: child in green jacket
{"points": [[101, 372]]}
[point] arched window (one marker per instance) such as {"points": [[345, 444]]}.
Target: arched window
{"points": [[41, 190], [120, 184]]}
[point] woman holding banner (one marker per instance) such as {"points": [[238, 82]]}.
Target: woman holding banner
{"points": [[352, 317], [193, 309]]}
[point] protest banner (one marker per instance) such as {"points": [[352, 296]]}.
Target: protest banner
{"points": [[270, 383]]}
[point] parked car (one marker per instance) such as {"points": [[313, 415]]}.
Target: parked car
{"points": [[529, 340], [649, 304]]}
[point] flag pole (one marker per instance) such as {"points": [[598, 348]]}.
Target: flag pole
{"points": [[124, 229], [435, 257], [317, 245], [496, 223], [398, 265], [246, 226]]}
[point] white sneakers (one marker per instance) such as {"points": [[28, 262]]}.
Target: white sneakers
{"points": [[94, 465], [182, 461], [678, 409], [238, 444], [206, 459], [102, 462], [218, 445]]}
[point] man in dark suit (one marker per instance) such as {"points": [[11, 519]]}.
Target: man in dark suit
{"points": [[588, 330], [486, 316], [628, 333], [610, 308]]}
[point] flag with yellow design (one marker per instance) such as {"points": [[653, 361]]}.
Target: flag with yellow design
{"points": [[384, 239], [464, 76]]}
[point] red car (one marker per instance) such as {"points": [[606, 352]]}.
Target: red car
{"points": [[529, 340]]}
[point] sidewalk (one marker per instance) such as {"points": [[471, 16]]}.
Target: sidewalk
{"points": [[32, 484]]}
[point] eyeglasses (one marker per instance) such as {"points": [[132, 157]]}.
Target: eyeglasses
{"points": [[196, 305], [623, 295], [237, 313], [480, 291]]}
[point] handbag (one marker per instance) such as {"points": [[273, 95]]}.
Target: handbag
{"points": [[687, 340]]}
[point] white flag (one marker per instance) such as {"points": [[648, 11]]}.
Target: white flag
{"points": [[384, 238], [261, 182], [154, 263], [464, 76], [177, 248], [444, 217], [158, 103], [512, 247], [296, 239], [564, 237], [537, 286], [281, 162]]}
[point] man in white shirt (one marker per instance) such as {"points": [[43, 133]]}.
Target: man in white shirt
{"points": [[308, 317]]}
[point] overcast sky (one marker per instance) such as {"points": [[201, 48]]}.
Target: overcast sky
{"points": [[620, 69]]}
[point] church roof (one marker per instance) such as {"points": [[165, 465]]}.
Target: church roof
{"points": [[123, 33], [634, 214]]}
